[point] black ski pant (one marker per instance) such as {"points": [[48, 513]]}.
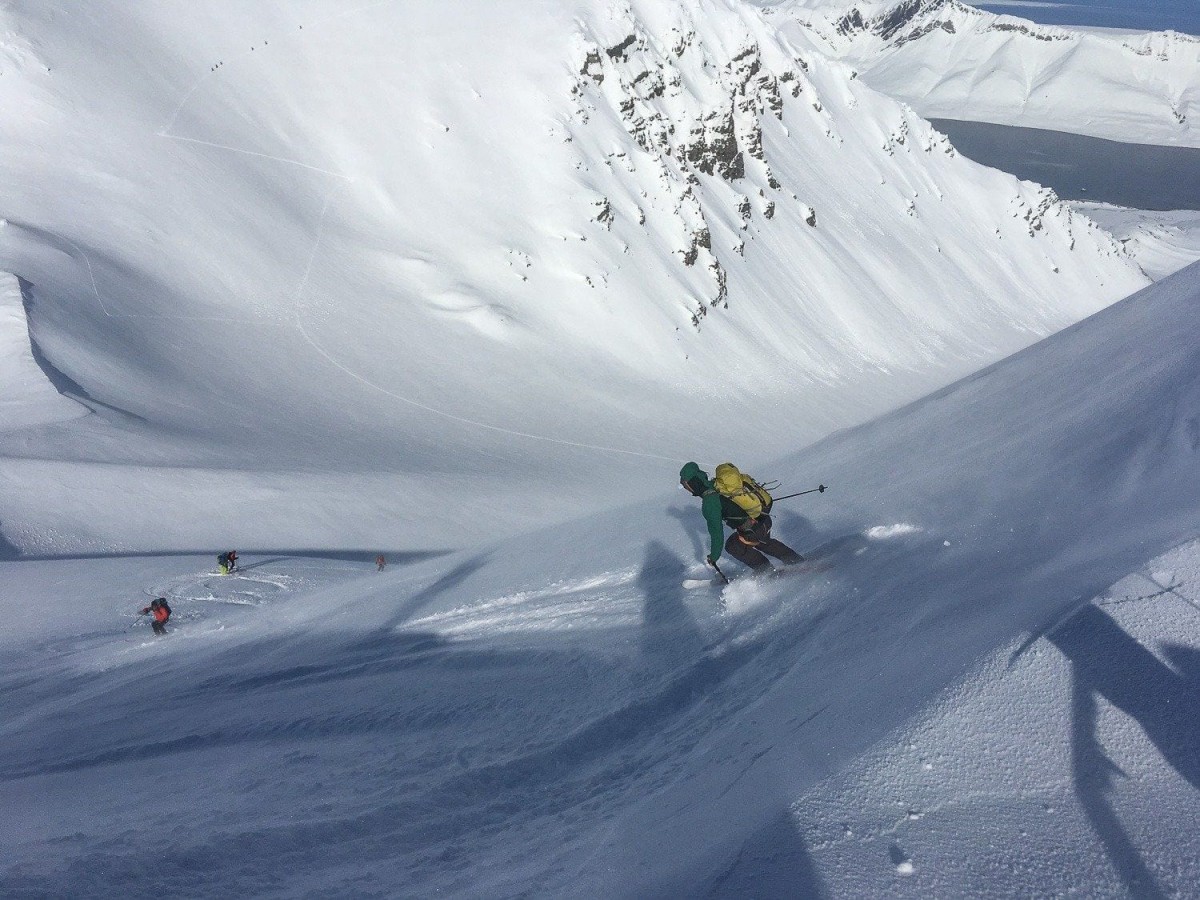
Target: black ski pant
{"points": [[159, 627], [748, 546]]}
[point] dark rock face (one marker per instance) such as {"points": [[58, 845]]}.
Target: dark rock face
{"points": [[891, 23], [917, 33], [593, 66], [852, 23], [714, 148], [621, 50], [895, 21], [911, 20], [604, 213], [1038, 34]]}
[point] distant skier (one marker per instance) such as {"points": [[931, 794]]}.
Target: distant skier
{"points": [[227, 561], [744, 505], [380, 563], [161, 612]]}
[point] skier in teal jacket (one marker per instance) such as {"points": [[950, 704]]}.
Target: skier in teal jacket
{"points": [[751, 538]]}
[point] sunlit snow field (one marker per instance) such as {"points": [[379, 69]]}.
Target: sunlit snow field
{"points": [[465, 285]]}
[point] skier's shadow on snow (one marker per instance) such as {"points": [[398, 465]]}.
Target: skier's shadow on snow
{"points": [[421, 599], [793, 529], [773, 862], [367, 557], [693, 525], [270, 561], [1106, 662], [669, 632], [381, 651], [377, 655], [7, 551]]}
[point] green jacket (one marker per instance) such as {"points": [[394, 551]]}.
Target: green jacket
{"points": [[717, 510]]}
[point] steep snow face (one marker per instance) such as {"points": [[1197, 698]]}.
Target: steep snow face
{"points": [[555, 715], [954, 61], [395, 238], [28, 397]]}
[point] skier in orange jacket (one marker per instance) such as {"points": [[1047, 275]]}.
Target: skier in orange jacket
{"points": [[159, 609]]}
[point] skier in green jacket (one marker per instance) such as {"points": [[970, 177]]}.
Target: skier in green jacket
{"points": [[751, 537]]}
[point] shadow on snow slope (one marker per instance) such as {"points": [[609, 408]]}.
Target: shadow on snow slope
{"points": [[1108, 664], [492, 747], [461, 742]]}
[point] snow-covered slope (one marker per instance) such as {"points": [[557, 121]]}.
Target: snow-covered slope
{"points": [[1161, 242], [28, 397], [410, 275], [508, 262], [555, 716], [953, 61]]}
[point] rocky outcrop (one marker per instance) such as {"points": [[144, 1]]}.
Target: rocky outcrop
{"points": [[912, 20], [714, 131]]}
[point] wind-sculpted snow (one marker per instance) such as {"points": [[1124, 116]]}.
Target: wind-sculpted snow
{"points": [[429, 244], [29, 397]]}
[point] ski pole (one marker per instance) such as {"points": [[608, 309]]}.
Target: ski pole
{"points": [[818, 489], [719, 572]]}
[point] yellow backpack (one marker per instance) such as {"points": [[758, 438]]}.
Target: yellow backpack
{"points": [[742, 490]]}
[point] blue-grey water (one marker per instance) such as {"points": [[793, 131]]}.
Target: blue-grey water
{"points": [[1141, 176], [1141, 15]]}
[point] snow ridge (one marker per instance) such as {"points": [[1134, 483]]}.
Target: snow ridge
{"points": [[950, 60]]}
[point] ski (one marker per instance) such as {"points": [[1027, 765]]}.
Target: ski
{"points": [[805, 568]]}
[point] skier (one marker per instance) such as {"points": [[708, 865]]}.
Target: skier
{"points": [[161, 611], [380, 563], [744, 505], [227, 561]]}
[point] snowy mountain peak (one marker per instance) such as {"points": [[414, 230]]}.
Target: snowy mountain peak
{"points": [[950, 60], [888, 22], [911, 20]]}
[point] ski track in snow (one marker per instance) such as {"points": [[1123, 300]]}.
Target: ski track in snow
{"points": [[278, 159], [298, 322]]}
